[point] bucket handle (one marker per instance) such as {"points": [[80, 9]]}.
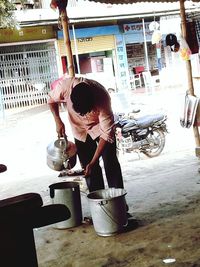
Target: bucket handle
{"points": [[52, 192], [101, 204]]}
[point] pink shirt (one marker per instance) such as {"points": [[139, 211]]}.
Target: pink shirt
{"points": [[97, 123]]}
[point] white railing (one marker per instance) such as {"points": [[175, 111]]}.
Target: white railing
{"points": [[26, 76]]}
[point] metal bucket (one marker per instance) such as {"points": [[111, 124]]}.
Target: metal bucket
{"points": [[108, 210], [67, 193]]}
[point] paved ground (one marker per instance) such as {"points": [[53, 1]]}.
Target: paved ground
{"points": [[157, 188], [25, 134]]}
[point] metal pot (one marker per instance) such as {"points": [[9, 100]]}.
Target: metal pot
{"points": [[61, 154]]}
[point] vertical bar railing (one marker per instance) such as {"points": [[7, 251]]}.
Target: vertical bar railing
{"points": [[26, 77]]}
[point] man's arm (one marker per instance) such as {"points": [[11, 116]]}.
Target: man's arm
{"points": [[101, 145], [106, 121], [60, 127]]}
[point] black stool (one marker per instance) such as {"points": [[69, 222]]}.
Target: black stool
{"points": [[3, 168], [18, 216]]}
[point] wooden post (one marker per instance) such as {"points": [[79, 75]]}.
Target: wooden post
{"points": [[189, 71], [65, 26], [62, 6]]}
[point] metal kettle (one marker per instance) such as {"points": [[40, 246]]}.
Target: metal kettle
{"points": [[61, 154]]}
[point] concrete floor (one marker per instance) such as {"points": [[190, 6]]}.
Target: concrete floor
{"points": [[162, 194]]}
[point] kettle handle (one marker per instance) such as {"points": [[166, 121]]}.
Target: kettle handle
{"points": [[65, 139]]}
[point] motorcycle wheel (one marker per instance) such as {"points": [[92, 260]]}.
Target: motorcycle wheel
{"points": [[157, 143]]}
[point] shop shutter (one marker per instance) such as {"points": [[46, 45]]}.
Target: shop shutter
{"points": [[26, 72]]}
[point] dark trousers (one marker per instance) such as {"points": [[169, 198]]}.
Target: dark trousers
{"points": [[112, 167]]}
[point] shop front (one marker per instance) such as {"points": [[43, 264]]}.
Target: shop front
{"points": [[99, 54], [142, 55], [28, 64]]}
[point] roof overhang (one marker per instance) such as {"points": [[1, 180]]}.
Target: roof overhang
{"points": [[104, 14]]}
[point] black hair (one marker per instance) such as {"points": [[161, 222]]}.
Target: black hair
{"points": [[82, 98], [171, 39]]}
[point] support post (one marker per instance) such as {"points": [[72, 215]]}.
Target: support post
{"points": [[62, 6], [189, 72], [67, 42], [76, 50]]}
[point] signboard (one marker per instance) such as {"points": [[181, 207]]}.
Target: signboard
{"points": [[26, 34], [123, 75], [136, 27], [133, 32]]}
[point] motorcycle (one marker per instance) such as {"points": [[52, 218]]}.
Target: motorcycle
{"points": [[144, 134]]}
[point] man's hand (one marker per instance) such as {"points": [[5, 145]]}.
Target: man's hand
{"points": [[88, 170], [60, 128]]}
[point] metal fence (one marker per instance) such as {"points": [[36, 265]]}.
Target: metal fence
{"points": [[1, 106], [26, 72]]}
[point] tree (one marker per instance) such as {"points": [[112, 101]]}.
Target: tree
{"points": [[7, 18]]}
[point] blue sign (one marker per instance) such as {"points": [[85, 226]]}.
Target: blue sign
{"points": [[123, 75], [133, 33], [92, 32]]}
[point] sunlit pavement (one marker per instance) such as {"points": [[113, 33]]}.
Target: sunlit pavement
{"points": [[156, 188], [25, 135]]}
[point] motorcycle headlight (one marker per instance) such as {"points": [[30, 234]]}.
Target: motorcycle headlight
{"points": [[125, 134]]}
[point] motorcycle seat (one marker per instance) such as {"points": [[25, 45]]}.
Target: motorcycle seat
{"points": [[143, 122], [148, 120]]}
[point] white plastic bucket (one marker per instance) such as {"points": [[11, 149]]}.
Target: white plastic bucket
{"points": [[67, 193], [108, 210]]}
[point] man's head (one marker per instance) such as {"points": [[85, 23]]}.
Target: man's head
{"points": [[171, 40], [82, 98]]}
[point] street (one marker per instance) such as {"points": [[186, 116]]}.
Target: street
{"points": [[157, 188], [25, 136]]}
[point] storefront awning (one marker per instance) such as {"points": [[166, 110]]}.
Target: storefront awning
{"points": [[137, 1]]}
